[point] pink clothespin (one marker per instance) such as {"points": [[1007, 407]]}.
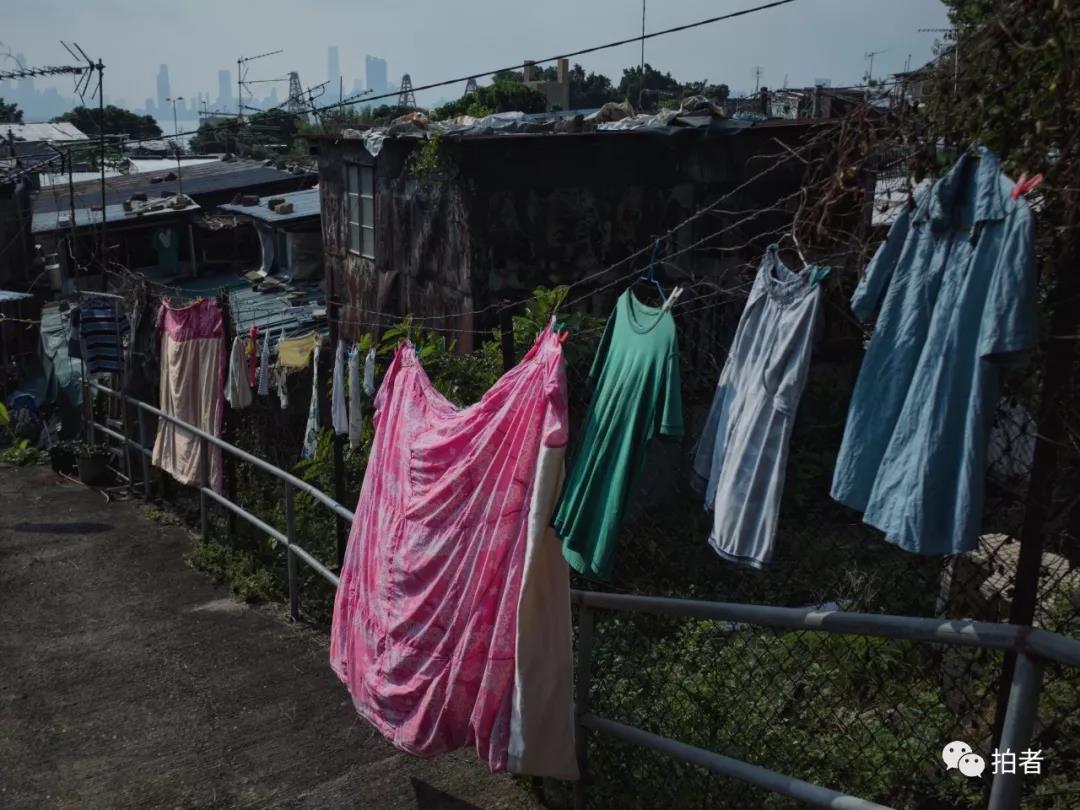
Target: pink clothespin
{"points": [[1025, 185]]}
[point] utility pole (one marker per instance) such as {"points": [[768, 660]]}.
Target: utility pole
{"points": [[176, 144], [642, 45]]}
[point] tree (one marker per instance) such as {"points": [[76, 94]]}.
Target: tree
{"points": [[10, 113], [264, 133], [499, 96], [591, 90], [663, 84], [118, 121]]}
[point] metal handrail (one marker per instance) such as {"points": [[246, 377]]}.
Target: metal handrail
{"points": [[290, 483], [1033, 646]]}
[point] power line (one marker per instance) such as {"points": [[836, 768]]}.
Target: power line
{"points": [[351, 100]]}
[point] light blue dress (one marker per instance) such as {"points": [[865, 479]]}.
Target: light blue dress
{"points": [[741, 459], [953, 287]]}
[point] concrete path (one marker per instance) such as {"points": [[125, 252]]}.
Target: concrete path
{"points": [[127, 679]]}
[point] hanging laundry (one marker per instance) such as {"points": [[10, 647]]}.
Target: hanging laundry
{"points": [[264, 367], [451, 622], [192, 388], [251, 352], [356, 404], [311, 432], [740, 461], [338, 411], [281, 385], [98, 326], [295, 353], [369, 373], [635, 396], [953, 290], [237, 390]]}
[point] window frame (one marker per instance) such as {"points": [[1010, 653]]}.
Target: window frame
{"points": [[359, 202]]}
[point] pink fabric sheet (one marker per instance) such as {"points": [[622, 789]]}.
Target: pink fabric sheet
{"points": [[192, 389], [426, 613]]}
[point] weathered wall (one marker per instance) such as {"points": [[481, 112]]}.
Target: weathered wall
{"points": [[509, 213]]}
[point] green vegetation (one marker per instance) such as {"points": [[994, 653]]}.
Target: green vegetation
{"points": [[244, 573], [10, 113], [502, 95], [260, 136], [117, 121]]}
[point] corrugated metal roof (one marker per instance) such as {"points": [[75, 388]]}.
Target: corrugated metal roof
{"points": [[204, 178], [47, 221], [305, 205], [272, 312], [44, 132], [7, 296]]}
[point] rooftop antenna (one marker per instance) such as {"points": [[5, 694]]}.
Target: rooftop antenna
{"points": [[759, 71], [241, 79], [406, 97], [869, 56]]}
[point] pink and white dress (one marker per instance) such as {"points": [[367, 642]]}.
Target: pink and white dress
{"points": [[452, 618], [192, 389]]}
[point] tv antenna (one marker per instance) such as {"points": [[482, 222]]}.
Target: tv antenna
{"points": [[242, 80], [869, 56]]}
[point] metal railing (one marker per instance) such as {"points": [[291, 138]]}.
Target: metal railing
{"points": [[1032, 646], [290, 484]]}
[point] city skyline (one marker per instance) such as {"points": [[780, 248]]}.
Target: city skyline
{"points": [[40, 103], [436, 42]]}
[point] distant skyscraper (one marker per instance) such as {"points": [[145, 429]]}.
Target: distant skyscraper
{"points": [[375, 73], [163, 90], [224, 83], [333, 68]]}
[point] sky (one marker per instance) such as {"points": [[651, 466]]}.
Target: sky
{"points": [[802, 42]]}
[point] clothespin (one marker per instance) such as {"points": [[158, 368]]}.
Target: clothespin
{"points": [[1026, 184], [671, 299]]}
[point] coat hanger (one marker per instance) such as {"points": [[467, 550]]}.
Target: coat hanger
{"points": [[649, 276]]}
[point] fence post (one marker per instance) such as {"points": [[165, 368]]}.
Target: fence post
{"points": [[581, 703], [290, 557], [126, 429], [145, 462], [1016, 731], [506, 335], [204, 501]]}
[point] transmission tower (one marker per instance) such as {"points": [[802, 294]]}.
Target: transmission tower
{"points": [[297, 104], [406, 97], [470, 87]]}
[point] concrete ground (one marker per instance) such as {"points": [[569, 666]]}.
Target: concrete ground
{"points": [[127, 679]]}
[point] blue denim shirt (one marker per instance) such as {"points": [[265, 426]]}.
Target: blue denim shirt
{"points": [[953, 289]]}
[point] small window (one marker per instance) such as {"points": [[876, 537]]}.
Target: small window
{"points": [[360, 188]]}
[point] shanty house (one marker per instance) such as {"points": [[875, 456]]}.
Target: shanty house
{"points": [[524, 201], [287, 227], [151, 218]]}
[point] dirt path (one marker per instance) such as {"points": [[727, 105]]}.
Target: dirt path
{"points": [[129, 680]]}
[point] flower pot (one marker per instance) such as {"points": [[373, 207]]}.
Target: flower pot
{"points": [[63, 460], [94, 469]]}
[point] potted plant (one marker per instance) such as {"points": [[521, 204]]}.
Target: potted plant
{"points": [[93, 461], [64, 457]]}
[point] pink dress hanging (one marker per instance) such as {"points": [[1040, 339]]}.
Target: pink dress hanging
{"points": [[452, 618]]}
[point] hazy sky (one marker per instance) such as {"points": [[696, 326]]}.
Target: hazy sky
{"points": [[803, 41]]}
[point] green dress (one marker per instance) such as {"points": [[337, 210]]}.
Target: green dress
{"points": [[635, 396]]}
